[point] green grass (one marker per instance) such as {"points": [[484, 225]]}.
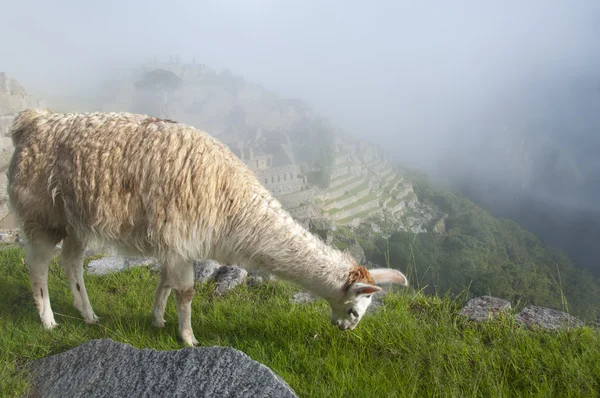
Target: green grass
{"points": [[414, 346]]}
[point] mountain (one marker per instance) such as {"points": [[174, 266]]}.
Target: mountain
{"points": [[347, 191]]}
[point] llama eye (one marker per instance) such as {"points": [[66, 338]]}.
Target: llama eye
{"points": [[368, 296], [352, 311]]}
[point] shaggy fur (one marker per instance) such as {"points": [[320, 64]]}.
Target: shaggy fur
{"points": [[157, 188]]}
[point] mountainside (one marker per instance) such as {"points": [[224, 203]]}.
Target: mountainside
{"points": [[348, 192], [535, 159]]}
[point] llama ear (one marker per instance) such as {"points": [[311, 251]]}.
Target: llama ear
{"points": [[388, 275], [359, 288]]}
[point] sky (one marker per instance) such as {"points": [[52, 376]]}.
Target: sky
{"points": [[427, 79], [393, 70]]}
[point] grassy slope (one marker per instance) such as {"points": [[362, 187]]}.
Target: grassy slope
{"points": [[415, 346]]}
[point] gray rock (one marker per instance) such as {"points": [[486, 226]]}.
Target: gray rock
{"points": [[376, 302], [143, 262], [255, 280], [106, 265], [206, 270], [485, 307], [357, 252], [302, 298], [547, 318], [228, 277], [105, 368]]}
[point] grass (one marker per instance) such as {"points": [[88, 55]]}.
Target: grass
{"points": [[413, 346]]}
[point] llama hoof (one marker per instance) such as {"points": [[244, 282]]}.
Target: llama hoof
{"points": [[189, 339], [159, 323], [50, 325], [93, 320]]}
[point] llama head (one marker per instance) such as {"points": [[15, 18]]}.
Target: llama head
{"points": [[347, 312]]}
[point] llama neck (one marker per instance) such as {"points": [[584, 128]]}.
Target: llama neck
{"points": [[286, 249]]}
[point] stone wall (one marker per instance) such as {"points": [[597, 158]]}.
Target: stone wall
{"points": [[281, 180], [347, 201], [296, 199], [340, 171], [304, 211], [341, 191], [5, 123], [341, 181], [373, 204], [340, 158]]}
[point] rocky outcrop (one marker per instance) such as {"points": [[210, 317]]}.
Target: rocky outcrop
{"points": [[485, 307], [547, 318], [105, 368]]}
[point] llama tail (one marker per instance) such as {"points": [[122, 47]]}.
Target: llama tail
{"points": [[24, 122]]}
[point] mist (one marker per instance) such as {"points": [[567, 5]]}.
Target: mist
{"points": [[448, 88]]}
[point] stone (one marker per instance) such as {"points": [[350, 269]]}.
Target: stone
{"points": [[109, 264], [228, 277], [547, 318], [302, 298], [105, 368], [357, 252], [485, 307], [376, 301], [143, 262], [206, 270], [258, 277]]}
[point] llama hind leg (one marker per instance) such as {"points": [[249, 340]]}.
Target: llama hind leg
{"points": [[40, 251], [160, 300], [72, 262]]}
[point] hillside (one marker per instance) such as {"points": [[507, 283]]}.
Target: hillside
{"points": [[349, 192], [411, 346]]}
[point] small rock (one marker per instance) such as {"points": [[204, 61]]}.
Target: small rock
{"points": [[143, 262], [105, 368], [302, 298], [376, 301], [107, 265], [206, 270], [255, 280], [547, 318], [228, 277], [485, 307]]}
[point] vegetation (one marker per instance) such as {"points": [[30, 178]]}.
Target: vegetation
{"points": [[413, 346], [486, 255]]}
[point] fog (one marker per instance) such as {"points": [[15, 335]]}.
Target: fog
{"points": [[450, 88]]}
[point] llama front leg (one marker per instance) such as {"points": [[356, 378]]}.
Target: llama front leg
{"points": [[72, 262], [39, 253]]}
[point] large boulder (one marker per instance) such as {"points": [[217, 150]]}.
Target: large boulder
{"points": [[547, 318], [485, 307], [105, 368]]}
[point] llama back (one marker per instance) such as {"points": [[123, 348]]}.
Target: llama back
{"points": [[118, 177]]}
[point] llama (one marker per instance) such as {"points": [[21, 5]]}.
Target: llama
{"points": [[153, 187]]}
